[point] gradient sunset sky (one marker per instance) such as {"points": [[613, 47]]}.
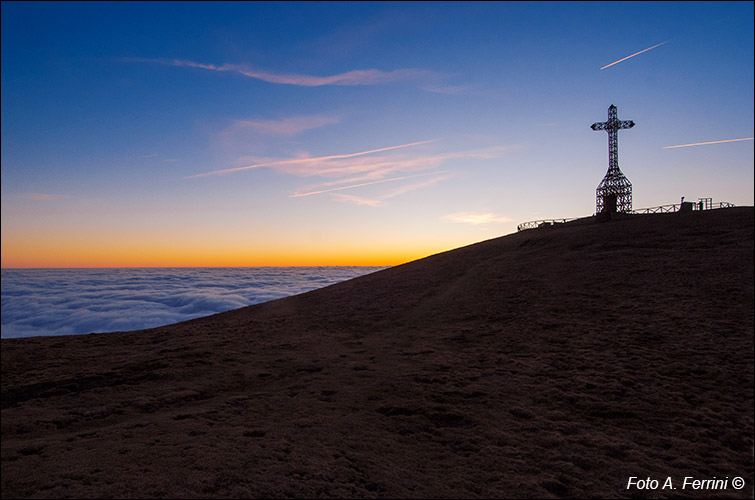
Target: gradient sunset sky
{"points": [[265, 134]]}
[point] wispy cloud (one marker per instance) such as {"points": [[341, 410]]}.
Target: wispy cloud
{"points": [[357, 200], [447, 89], [352, 186], [382, 169], [475, 218], [391, 164], [283, 127], [299, 165], [348, 78], [635, 54], [711, 142], [406, 188], [439, 176]]}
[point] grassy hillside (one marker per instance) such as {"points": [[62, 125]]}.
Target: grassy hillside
{"points": [[554, 362]]}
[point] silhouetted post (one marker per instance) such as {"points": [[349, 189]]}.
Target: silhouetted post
{"points": [[614, 193]]}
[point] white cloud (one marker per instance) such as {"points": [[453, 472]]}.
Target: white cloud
{"points": [[69, 301], [476, 218], [349, 198]]}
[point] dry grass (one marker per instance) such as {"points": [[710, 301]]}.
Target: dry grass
{"points": [[554, 362]]}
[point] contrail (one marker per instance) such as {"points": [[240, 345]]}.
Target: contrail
{"points": [[635, 54], [712, 142], [296, 195], [308, 160]]}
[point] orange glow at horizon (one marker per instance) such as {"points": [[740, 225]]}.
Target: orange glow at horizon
{"points": [[70, 255], [164, 241]]}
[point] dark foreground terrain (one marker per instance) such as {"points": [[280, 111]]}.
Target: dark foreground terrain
{"points": [[555, 362]]}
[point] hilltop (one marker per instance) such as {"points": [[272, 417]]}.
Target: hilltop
{"points": [[554, 362]]}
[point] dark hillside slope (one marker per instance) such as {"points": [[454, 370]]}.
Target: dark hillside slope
{"points": [[554, 362]]}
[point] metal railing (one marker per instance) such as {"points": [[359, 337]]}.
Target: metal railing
{"points": [[696, 206], [702, 204], [540, 223], [662, 209]]}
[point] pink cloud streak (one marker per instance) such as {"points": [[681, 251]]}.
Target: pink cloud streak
{"points": [[374, 171], [303, 161], [340, 188], [390, 164], [444, 175], [354, 77], [284, 126]]}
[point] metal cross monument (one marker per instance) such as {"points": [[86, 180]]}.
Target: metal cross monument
{"points": [[614, 193]]}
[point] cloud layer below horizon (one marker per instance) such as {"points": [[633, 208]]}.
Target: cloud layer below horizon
{"points": [[72, 301]]}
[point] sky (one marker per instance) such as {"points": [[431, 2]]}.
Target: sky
{"points": [[151, 134]]}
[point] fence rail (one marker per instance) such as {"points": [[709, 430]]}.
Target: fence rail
{"points": [[696, 206], [662, 209], [540, 223], [703, 204]]}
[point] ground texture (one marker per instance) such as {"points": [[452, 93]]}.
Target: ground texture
{"points": [[555, 362]]}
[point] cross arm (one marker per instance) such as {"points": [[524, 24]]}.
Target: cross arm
{"points": [[612, 125]]}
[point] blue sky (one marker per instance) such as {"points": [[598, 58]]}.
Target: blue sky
{"points": [[373, 133]]}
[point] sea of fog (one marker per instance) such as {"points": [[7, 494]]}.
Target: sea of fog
{"points": [[69, 301]]}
